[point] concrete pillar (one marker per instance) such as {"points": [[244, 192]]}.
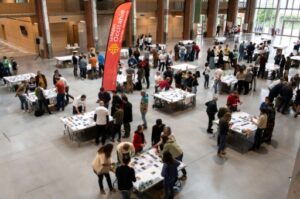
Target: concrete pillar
{"points": [[89, 23], [43, 28], [212, 15], [131, 26], [232, 11], [95, 24], [188, 20], [249, 15], [162, 21]]}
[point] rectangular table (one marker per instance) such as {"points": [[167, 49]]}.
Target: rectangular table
{"points": [[162, 46], [242, 130], [11, 81], [220, 40], [76, 124], [148, 166], [185, 42], [227, 82], [295, 58], [184, 67], [173, 99], [50, 94], [63, 60]]}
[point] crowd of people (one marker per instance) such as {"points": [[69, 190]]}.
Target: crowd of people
{"points": [[8, 67]]}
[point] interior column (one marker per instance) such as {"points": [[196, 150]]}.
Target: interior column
{"points": [[43, 28], [232, 11], [212, 14], [162, 21], [249, 16], [188, 20], [89, 23], [95, 24]]}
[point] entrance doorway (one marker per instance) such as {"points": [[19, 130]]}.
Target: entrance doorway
{"points": [[2, 32]]}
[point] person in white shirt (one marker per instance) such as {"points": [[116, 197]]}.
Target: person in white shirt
{"points": [[162, 61], [102, 118], [79, 104], [157, 78], [217, 80]]}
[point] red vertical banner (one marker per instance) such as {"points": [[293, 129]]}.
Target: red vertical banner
{"points": [[114, 46]]}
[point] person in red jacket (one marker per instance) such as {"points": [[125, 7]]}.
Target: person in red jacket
{"points": [[233, 100], [139, 139], [196, 49]]}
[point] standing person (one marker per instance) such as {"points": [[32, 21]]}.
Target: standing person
{"points": [[195, 83], [67, 89], [39, 92], [248, 80], [170, 174], [271, 113], [75, 64], [157, 129], [241, 76], [31, 85], [127, 119], [170, 145], [79, 104], [282, 65], [212, 58], [233, 100], [14, 66], [206, 73], [93, 62], [125, 176], [101, 61], [118, 121], [223, 131], [6, 68], [144, 107], [262, 66], [116, 101], [56, 74], [157, 79], [162, 61], [242, 51], [218, 30], [125, 150], [40, 78], [254, 77], [21, 92], [60, 98], [178, 79], [102, 119], [83, 66], [196, 49], [217, 80], [297, 103], [250, 49], [139, 141], [147, 72], [211, 110], [286, 94], [104, 96], [102, 164], [261, 126], [176, 51]]}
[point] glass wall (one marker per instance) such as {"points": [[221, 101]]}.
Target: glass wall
{"points": [[286, 22]]}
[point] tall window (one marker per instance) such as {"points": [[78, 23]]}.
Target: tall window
{"points": [[265, 15]]}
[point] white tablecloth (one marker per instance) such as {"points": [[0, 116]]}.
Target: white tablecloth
{"points": [[229, 80], [16, 79], [280, 46], [175, 95], [185, 42], [184, 67], [271, 67], [295, 58], [148, 167], [220, 39], [64, 58], [49, 94]]}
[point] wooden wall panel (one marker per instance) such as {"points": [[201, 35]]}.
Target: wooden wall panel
{"points": [[147, 25], [59, 36], [14, 35]]}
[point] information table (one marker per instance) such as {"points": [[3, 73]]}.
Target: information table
{"points": [[184, 67], [228, 81], [148, 167], [50, 94], [242, 130], [77, 124], [220, 40], [11, 81], [186, 42], [174, 98], [62, 61]]}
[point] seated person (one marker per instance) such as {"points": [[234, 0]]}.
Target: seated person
{"points": [[79, 104], [233, 100]]}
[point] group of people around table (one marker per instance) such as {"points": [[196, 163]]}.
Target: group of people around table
{"points": [[162, 140], [265, 122], [38, 85], [186, 52]]}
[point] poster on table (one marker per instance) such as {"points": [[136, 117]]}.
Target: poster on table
{"points": [[114, 46]]}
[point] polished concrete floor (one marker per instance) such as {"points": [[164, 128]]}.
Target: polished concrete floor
{"points": [[38, 161]]}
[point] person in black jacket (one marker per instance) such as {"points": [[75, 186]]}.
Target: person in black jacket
{"points": [[75, 64], [271, 112], [223, 130], [250, 49], [125, 176], [157, 129], [116, 101], [286, 94], [274, 92], [104, 96], [282, 65], [211, 110], [147, 72], [127, 108]]}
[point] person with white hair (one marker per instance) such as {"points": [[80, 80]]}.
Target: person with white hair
{"points": [[211, 110]]}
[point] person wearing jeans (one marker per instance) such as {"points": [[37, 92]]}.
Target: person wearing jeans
{"points": [[211, 110], [223, 131], [261, 124], [144, 107], [60, 98], [102, 165], [21, 94]]}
